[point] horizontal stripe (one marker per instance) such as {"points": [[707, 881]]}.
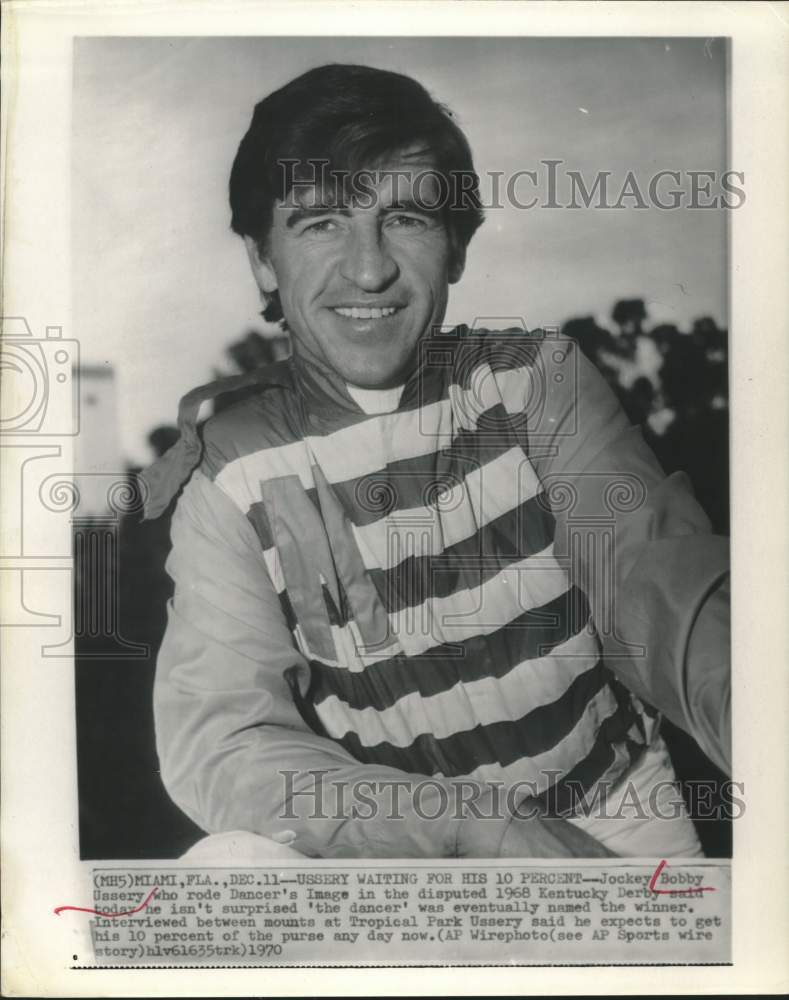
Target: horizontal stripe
{"points": [[527, 687], [487, 493], [417, 481], [563, 796], [557, 628], [352, 452], [607, 763], [523, 586], [552, 729], [475, 405], [525, 531], [455, 516], [240, 479], [608, 760], [545, 771], [344, 454]]}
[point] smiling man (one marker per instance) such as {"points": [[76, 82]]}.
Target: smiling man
{"points": [[361, 282], [379, 644]]}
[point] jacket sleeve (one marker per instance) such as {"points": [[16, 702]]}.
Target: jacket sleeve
{"points": [[235, 754], [641, 547]]}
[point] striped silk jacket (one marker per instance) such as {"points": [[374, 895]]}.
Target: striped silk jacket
{"points": [[365, 597]]}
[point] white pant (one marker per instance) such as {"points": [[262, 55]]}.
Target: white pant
{"points": [[666, 831]]}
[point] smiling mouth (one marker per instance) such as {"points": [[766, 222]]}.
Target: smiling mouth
{"points": [[359, 312]]}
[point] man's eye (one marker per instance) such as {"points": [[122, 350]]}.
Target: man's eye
{"points": [[407, 222], [322, 226]]}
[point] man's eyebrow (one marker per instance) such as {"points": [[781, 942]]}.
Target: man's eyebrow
{"points": [[311, 211], [305, 212], [411, 205]]}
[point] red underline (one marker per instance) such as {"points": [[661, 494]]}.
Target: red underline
{"points": [[126, 913], [673, 892]]}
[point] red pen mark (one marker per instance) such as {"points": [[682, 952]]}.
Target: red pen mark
{"points": [[674, 892], [126, 913]]}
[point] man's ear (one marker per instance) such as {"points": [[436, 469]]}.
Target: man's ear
{"points": [[458, 262], [261, 267]]}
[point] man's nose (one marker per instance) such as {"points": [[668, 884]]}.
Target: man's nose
{"points": [[367, 261]]}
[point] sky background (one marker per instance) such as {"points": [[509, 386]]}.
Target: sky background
{"points": [[162, 286]]}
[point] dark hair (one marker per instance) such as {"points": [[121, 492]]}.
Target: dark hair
{"points": [[351, 118]]}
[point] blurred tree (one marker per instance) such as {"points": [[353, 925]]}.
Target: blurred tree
{"points": [[162, 438], [249, 352], [664, 337], [629, 316], [591, 337]]}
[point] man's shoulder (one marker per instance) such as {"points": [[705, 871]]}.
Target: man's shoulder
{"points": [[258, 416], [504, 348]]}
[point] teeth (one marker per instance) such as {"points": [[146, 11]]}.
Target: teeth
{"points": [[356, 313]]}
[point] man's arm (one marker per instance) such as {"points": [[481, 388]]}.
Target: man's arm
{"points": [[227, 727], [664, 583]]}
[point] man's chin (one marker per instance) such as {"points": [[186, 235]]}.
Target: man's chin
{"points": [[385, 376], [372, 366], [374, 361]]}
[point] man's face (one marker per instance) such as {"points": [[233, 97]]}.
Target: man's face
{"points": [[361, 281]]}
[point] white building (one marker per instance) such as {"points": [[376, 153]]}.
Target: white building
{"points": [[98, 463]]}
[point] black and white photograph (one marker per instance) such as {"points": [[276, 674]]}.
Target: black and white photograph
{"points": [[400, 404], [478, 540]]}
